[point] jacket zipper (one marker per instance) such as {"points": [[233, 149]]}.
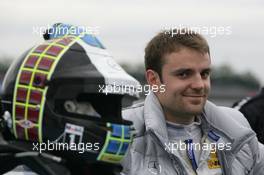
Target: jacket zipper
{"points": [[179, 170]]}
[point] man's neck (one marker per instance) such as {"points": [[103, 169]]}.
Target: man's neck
{"points": [[185, 120]]}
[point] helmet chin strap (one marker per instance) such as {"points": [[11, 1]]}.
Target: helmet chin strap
{"points": [[8, 119], [83, 108], [1, 106]]}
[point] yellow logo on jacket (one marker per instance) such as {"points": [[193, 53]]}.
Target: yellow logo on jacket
{"points": [[213, 162]]}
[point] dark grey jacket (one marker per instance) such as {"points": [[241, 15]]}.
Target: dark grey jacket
{"points": [[148, 156]]}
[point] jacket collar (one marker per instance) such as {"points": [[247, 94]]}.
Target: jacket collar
{"points": [[154, 117]]}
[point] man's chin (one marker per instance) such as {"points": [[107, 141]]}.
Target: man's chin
{"points": [[195, 109], [196, 112]]}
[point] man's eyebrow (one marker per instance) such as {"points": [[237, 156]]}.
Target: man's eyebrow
{"points": [[181, 70], [184, 70], [207, 70]]}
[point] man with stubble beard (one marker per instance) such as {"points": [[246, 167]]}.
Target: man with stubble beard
{"points": [[178, 131]]}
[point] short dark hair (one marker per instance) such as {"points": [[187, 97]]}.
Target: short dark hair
{"points": [[169, 41]]}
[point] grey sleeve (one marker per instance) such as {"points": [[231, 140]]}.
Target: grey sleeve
{"points": [[258, 169], [126, 163]]}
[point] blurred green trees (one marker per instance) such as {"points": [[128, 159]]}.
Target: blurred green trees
{"points": [[5, 62], [225, 75]]}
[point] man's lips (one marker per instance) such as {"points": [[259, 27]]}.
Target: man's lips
{"points": [[195, 99]]}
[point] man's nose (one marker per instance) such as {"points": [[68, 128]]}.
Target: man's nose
{"points": [[197, 82]]}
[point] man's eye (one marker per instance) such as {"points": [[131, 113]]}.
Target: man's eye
{"points": [[183, 74], [205, 75]]}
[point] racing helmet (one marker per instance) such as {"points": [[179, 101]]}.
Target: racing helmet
{"points": [[68, 91]]}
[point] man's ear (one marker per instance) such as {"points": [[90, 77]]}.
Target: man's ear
{"points": [[152, 77]]}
